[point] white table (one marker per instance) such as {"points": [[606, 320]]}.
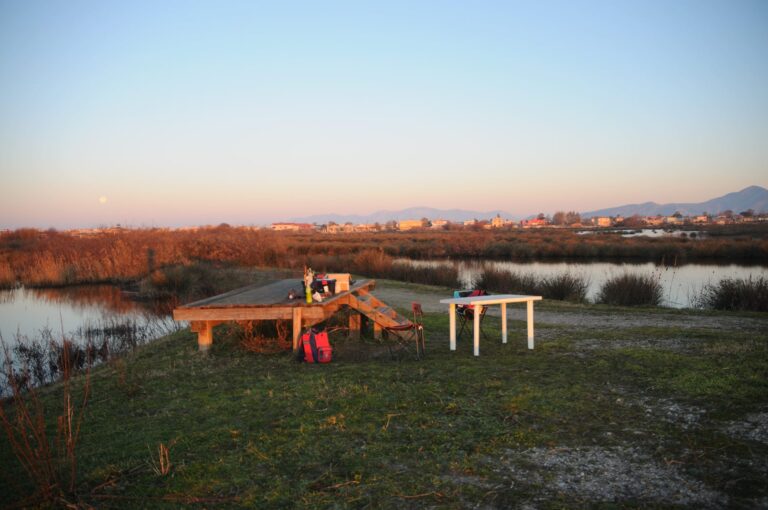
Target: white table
{"points": [[495, 299]]}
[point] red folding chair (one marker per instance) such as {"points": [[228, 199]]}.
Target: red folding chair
{"points": [[466, 313], [410, 335]]}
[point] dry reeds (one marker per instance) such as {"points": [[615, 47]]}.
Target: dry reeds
{"points": [[736, 294], [630, 289], [50, 463], [161, 466]]}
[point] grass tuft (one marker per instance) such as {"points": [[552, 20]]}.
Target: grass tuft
{"points": [[736, 294], [631, 290]]}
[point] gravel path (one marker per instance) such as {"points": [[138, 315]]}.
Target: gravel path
{"points": [[430, 302]]}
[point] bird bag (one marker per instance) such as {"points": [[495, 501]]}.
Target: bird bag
{"points": [[317, 349]]}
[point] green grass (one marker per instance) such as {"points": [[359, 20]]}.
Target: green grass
{"points": [[250, 430]]}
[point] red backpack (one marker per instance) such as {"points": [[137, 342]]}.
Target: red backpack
{"points": [[317, 349]]}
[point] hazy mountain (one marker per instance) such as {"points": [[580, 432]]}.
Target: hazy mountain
{"points": [[753, 197], [413, 213]]}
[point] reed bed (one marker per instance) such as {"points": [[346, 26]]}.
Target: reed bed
{"points": [[36, 258], [736, 294], [629, 289], [565, 287]]}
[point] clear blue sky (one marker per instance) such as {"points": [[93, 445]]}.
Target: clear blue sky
{"points": [[173, 113]]}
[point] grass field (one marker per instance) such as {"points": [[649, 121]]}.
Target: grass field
{"points": [[668, 408]]}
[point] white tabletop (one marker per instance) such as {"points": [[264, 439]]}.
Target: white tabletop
{"points": [[493, 299]]}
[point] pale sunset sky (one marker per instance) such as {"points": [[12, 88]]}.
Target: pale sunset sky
{"points": [[181, 113]]}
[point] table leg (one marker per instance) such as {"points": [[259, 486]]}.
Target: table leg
{"points": [[503, 323], [452, 319], [477, 329], [530, 324]]}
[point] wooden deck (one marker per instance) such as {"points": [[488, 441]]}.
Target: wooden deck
{"points": [[270, 302]]}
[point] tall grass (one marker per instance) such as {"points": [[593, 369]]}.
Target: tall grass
{"points": [[744, 294], [49, 459], [36, 258], [512, 282], [565, 286], [630, 289]]}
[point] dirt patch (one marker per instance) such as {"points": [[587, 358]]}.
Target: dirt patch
{"points": [[605, 475]]}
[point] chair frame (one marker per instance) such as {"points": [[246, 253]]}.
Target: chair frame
{"points": [[412, 333], [465, 317]]}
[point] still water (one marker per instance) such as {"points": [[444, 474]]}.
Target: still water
{"points": [[26, 312], [681, 285]]}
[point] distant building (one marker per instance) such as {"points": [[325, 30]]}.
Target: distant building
{"points": [[602, 221], [534, 223], [498, 222], [409, 225], [365, 227], [291, 226], [469, 223], [439, 223], [702, 218]]}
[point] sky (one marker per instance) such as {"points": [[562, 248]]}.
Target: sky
{"points": [[187, 113]]}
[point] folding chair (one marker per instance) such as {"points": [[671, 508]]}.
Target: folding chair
{"points": [[411, 334], [466, 313]]}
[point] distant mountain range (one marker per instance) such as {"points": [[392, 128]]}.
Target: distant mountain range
{"points": [[753, 197]]}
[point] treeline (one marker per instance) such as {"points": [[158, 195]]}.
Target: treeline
{"points": [[50, 258]]}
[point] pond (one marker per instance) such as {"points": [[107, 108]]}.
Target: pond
{"points": [[27, 313], [681, 284]]}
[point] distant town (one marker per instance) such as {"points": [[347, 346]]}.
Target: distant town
{"points": [[557, 220]]}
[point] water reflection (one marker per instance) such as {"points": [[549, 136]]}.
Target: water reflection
{"points": [[26, 312]]}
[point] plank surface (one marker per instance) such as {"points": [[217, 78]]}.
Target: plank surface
{"points": [[269, 295]]}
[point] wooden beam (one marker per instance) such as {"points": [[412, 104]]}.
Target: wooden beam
{"points": [[205, 337], [296, 317], [376, 330], [354, 325], [246, 313]]}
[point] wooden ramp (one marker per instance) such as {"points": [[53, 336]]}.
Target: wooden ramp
{"points": [[380, 313], [270, 302]]}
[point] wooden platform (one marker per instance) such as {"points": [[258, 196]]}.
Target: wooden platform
{"points": [[270, 302]]}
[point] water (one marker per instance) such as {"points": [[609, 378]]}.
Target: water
{"points": [[681, 285], [648, 232], [26, 312]]}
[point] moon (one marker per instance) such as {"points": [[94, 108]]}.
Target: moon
{"points": [[102, 200]]}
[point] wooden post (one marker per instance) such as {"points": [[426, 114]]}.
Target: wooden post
{"points": [[296, 327], [205, 336], [354, 325], [376, 330]]}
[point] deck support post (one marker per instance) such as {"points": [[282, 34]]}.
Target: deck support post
{"points": [[296, 327], [376, 330], [354, 325], [204, 336]]}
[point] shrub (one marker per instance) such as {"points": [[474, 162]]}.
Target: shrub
{"points": [[736, 294], [631, 290], [565, 287], [499, 280], [445, 276]]}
